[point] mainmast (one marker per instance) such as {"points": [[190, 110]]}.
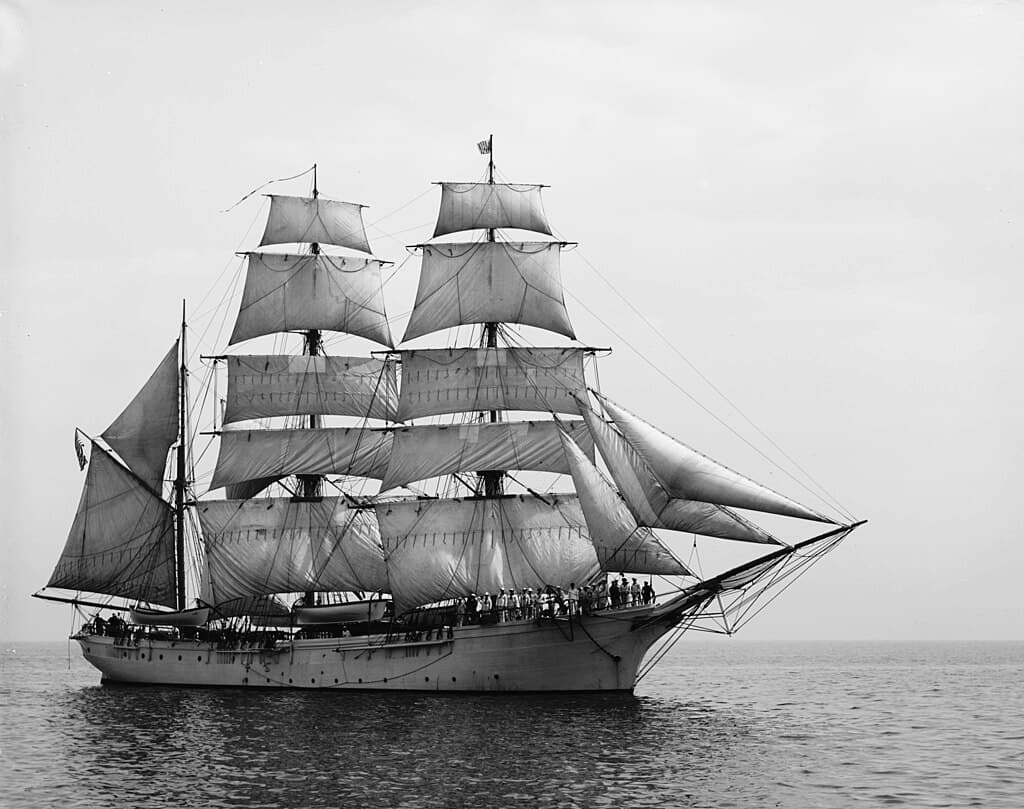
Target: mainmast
{"points": [[180, 477], [311, 486], [491, 481]]}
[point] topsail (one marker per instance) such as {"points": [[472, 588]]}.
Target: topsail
{"points": [[300, 292], [487, 282]]}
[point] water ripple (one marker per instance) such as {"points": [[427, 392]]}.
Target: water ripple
{"points": [[717, 725]]}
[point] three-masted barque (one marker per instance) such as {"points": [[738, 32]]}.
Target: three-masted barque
{"points": [[301, 578]]}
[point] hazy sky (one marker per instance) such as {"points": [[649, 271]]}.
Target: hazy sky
{"points": [[820, 205]]}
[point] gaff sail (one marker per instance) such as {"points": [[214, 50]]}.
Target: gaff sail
{"points": [[122, 539]]}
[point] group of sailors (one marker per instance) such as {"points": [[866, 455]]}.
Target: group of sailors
{"points": [[527, 603], [113, 627]]}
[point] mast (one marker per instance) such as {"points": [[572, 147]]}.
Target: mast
{"points": [[180, 477], [311, 486], [491, 480]]}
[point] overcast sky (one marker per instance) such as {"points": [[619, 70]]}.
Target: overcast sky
{"points": [[819, 205]]}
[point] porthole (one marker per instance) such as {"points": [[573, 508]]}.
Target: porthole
{"points": [[143, 656], [312, 680], [426, 679], [179, 657], [289, 681], [199, 658], [360, 679], [335, 680], [88, 648], [161, 657], [495, 676], [385, 679], [453, 679]]}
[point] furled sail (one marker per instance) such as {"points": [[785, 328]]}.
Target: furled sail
{"points": [[429, 450], [315, 220], [255, 454], [439, 549], [147, 427], [490, 282], [468, 380], [278, 545], [686, 473], [621, 544], [296, 293], [652, 506], [122, 539], [265, 385], [467, 206]]}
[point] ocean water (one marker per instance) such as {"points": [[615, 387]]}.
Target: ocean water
{"points": [[718, 723]]}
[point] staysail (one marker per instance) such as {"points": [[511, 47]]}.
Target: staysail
{"points": [[148, 426], [277, 545], [122, 539], [687, 474], [621, 544], [467, 380], [653, 506]]}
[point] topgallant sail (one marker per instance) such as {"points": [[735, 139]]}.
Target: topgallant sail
{"points": [[317, 559]]}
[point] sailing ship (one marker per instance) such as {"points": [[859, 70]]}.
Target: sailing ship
{"points": [[288, 573]]}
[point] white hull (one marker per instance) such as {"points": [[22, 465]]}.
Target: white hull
{"points": [[596, 653]]}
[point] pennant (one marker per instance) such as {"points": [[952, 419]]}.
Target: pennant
{"points": [[80, 451]]}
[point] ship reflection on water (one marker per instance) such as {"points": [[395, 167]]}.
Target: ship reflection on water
{"points": [[244, 748]]}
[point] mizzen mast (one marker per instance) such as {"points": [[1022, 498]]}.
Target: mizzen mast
{"points": [[180, 477]]}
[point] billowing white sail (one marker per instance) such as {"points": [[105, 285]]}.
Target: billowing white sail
{"points": [[467, 380], [122, 539], [295, 293], [145, 430], [490, 282], [621, 544], [651, 505], [686, 473], [467, 206], [278, 545], [439, 549], [264, 385], [429, 450], [317, 220], [255, 454]]}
